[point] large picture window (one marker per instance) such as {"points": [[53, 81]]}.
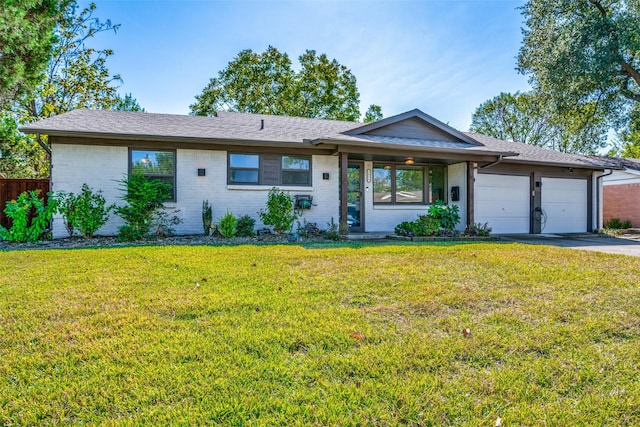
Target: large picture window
{"points": [[401, 184], [269, 169], [155, 164]]}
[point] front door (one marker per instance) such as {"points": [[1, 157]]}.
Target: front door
{"points": [[355, 214]]}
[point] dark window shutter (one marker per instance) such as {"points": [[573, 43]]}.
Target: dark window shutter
{"points": [[270, 169]]}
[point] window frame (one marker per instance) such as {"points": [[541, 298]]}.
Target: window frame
{"points": [[394, 189], [230, 168], [280, 172], [174, 187]]}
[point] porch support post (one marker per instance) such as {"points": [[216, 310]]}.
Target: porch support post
{"points": [[470, 196], [344, 164]]}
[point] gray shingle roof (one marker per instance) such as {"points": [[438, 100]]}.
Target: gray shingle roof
{"points": [[258, 128], [227, 126], [532, 154]]}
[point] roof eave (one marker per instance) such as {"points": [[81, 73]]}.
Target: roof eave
{"points": [[164, 138], [367, 144], [558, 164]]}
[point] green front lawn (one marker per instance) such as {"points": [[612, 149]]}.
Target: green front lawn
{"points": [[343, 335]]}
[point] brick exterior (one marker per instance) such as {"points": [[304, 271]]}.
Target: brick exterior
{"points": [[101, 167], [622, 202]]}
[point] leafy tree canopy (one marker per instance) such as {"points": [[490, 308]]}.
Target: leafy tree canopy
{"points": [[265, 83], [530, 118], [77, 75], [127, 103], [631, 136], [26, 40], [581, 51], [373, 114]]}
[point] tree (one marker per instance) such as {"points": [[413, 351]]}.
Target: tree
{"points": [[513, 117], [325, 89], [266, 84], [531, 118], [127, 103], [20, 155], [631, 136], [373, 114], [26, 40], [579, 51], [77, 76]]}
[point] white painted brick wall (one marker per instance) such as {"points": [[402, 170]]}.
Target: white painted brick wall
{"points": [[101, 166], [97, 166]]}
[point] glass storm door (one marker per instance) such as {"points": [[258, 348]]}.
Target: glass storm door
{"points": [[355, 216]]}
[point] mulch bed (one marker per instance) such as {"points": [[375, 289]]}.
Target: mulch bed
{"points": [[102, 242]]}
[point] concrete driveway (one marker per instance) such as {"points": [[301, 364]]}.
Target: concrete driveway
{"points": [[625, 245]]}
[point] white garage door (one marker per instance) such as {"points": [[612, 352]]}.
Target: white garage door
{"points": [[565, 203], [503, 202]]}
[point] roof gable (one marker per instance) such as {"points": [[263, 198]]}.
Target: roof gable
{"points": [[413, 124]]}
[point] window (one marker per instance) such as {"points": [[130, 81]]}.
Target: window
{"points": [[244, 168], [401, 184], [269, 169], [154, 164], [295, 170]]}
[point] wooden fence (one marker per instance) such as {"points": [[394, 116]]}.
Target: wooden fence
{"points": [[10, 189]]}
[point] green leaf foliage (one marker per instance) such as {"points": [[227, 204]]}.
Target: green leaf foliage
{"points": [[26, 40], [76, 75], [373, 114], [447, 215], [127, 103], [245, 227], [207, 217], [580, 52], [532, 118], [30, 217], [227, 225], [143, 200], [279, 211], [86, 211], [265, 83], [20, 155], [631, 135]]}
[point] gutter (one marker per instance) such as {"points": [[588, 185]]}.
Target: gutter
{"points": [[598, 187], [43, 145], [492, 163]]}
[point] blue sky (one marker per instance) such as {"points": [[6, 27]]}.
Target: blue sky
{"points": [[444, 57]]}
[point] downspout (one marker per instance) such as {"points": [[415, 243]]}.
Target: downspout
{"points": [[598, 196], [43, 145], [492, 163]]}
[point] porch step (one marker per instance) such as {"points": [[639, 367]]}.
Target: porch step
{"points": [[367, 236]]}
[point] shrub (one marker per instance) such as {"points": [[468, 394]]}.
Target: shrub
{"points": [[86, 211], [406, 228], [144, 198], [207, 217], [227, 225], [333, 231], [163, 223], [279, 213], [616, 224], [448, 216], [425, 225], [245, 226], [308, 229], [30, 217], [482, 230]]}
